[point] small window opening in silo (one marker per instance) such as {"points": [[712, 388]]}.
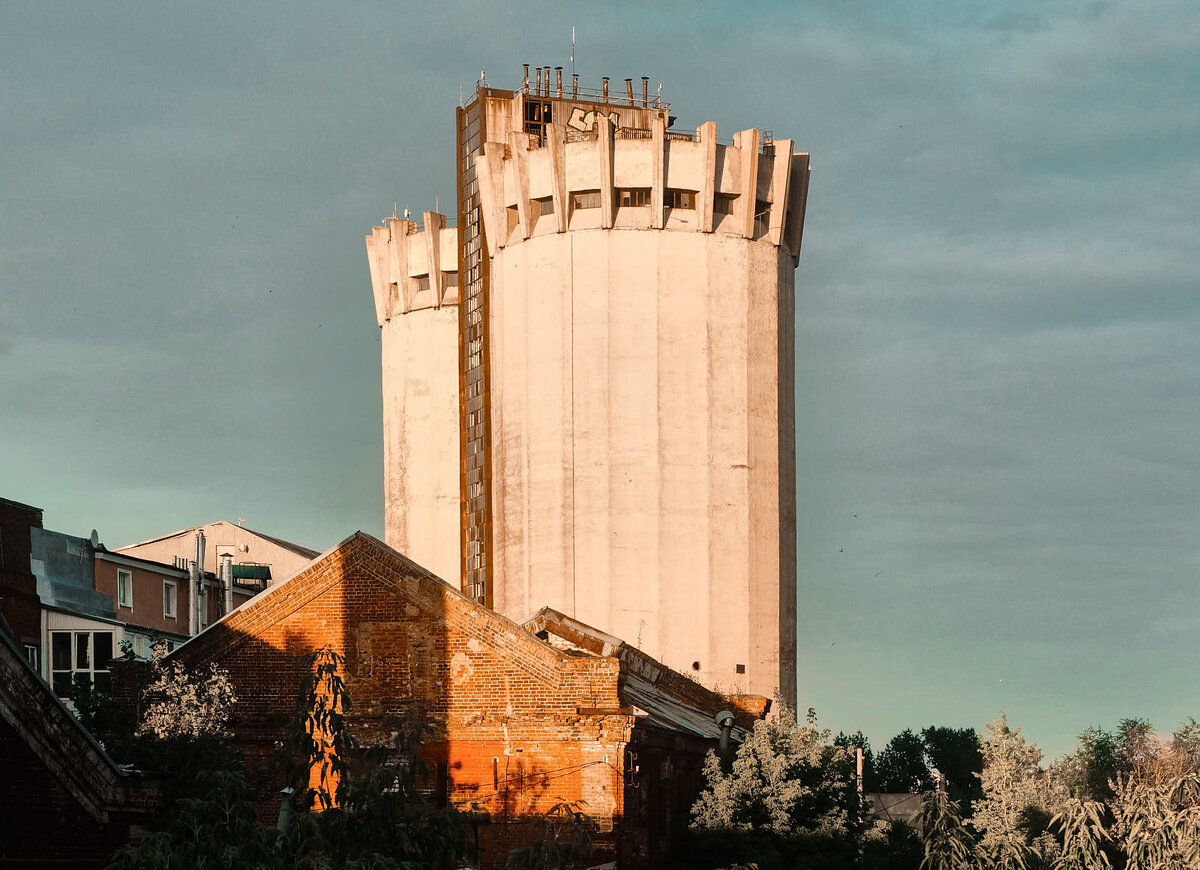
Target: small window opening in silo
{"points": [[723, 203], [513, 217], [680, 198], [741, 669], [634, 197], [585, 199], [541, 206], [422, 283], [695, 666]]}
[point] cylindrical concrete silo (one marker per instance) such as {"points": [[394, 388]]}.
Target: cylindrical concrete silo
{"points": [[415, 282], [641, 351]]}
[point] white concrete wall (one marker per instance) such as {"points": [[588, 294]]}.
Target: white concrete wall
{"points": [[636, 443], [420, 439], [413, 278]]}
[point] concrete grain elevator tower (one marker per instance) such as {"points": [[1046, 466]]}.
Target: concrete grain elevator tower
{"points": [[591, 405]]}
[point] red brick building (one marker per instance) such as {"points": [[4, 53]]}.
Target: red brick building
{"points": [[524, 717], [63, 801], [19, 603]]}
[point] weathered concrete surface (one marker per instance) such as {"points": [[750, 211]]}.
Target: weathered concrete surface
{"points": [[414, 276], [638, 388]]}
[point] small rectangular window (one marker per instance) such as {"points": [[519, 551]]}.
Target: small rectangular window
{"points": [[723, 203], [541, 206], [31, 656], [169, 599], [585, 199], [681, 198], [634, 197], [124, 589]]}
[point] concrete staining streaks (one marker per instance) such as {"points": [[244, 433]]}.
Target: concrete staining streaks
{"points": [[637, 287]]}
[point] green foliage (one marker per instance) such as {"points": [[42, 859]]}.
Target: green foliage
{"points": [[902, 766], [948, 843], [564, 842], [1018, 796], [892, 846], [374, 815], [1084, 836], [858, 740], [786, 778], [956, 755]]}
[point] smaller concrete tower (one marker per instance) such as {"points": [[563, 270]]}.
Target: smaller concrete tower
{"points": [[415, 281]]}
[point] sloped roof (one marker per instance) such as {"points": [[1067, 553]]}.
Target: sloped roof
{"points": [[226, 633], [61, 743], [279, 542], [665, 697]]}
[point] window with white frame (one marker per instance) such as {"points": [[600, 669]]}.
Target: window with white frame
{"points": [[124, 588], [31, 656], [80, 658], [170, 598]]}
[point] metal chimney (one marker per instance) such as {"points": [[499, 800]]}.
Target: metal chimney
{"points": [[196, 569], [558, 80], [629, 90], [227, 582], [605, 80]]}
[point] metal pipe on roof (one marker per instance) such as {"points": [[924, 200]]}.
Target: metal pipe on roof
{"points": [[525, 80], [558, 80], [539, 80], [605, 80], [645, 90], [574, 86], [629, 90], [226, 582]]}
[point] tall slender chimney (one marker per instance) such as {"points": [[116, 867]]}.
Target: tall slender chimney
{"points": [[226, 583], [558, 80], [629, 90], [525, 81], [645, 91], [605, 80], [197, 584]]}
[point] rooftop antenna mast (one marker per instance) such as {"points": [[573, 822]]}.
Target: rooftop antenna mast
{"points": [[572, 49]]}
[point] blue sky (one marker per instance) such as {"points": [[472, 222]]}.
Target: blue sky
{"points": [[997, 303]]}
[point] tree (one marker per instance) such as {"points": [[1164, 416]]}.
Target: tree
{"points": [[1013, 783], [858, 740], [955, 754], [788, 799], [183, 704], [902, 767], [787, 778]]}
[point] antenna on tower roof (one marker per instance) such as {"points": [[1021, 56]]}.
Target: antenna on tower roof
{"points": [[572, 49]]}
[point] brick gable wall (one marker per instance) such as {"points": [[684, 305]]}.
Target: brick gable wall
{"points": [[520, 727]]}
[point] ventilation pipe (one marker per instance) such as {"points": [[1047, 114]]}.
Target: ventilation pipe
{"points": [[196, 570], [558, 80], [725, 722], [645, 90], [629, 90], [574, 86], [525, 81], [605, 80], [226, 582], [539, 81]]}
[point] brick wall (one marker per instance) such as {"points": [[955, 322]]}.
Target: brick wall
{"points": [[19, 601], [504, 708]]}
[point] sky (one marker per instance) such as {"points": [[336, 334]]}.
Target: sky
{"points": [[997, 309]]}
